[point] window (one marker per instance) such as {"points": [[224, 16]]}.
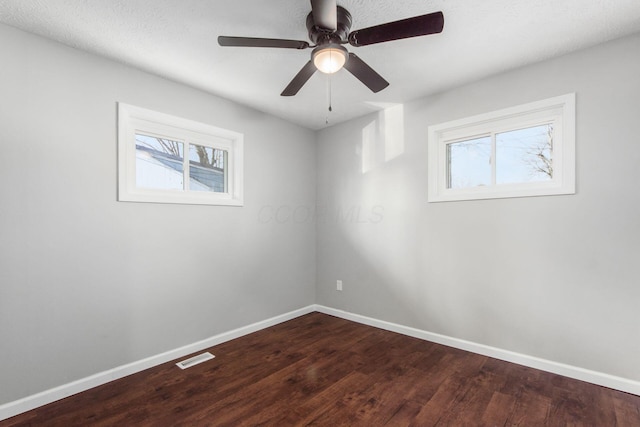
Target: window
{"points": [[522, 151], [166, 159]]}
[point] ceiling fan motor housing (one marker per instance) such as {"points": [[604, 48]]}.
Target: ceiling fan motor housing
{"points": [[321, 36]]}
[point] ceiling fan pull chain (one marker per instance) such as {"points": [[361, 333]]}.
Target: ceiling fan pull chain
{"points": [[329, 95]]}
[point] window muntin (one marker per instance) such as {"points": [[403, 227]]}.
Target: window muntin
{"points": [[521, 151], [166, 159]]}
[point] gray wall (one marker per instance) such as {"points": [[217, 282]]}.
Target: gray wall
{"points": [[88, 283], [553, 277]]}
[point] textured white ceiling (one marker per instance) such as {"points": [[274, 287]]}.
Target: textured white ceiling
{"points": [[177, 39]]}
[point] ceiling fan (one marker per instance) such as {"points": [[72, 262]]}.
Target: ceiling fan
{"points": [[329, 28]]}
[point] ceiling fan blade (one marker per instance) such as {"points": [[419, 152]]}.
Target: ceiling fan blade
{"points": [[411, 27], [325, 14], [260, 42], [365, 74], [299, 80]]}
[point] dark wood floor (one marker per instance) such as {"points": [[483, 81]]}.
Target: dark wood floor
{"points": [[325, 371]]}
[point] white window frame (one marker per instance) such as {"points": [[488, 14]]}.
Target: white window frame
{"points": [[560, 111], [134, 120]]}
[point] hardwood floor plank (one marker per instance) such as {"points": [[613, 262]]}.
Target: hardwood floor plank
{"points": [[498, 410], [476, 399], [451, 390], [405, 414], [334, 403], [530, 409], [627, 410], [319, 370]]}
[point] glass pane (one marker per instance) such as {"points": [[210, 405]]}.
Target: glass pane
{"points": [[469, 163], [207, 169], [159, 163], [524, 155]]}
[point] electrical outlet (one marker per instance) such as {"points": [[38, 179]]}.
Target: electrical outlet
{"points": [[339, 285]]}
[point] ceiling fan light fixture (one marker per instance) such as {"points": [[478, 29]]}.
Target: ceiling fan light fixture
{"points": [[329, 58]]}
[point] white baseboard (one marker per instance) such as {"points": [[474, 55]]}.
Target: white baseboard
{"points": [[28, 403], [31, 402], [594, 377]]}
